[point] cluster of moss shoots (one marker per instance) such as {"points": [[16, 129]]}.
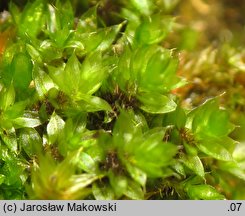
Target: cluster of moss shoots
{"points": [[88, 111]]}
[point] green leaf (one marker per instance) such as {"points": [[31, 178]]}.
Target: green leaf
{"points": [[58, 75], [67, 78], [65, 14], [93, 72], [30, 141], [170, 79], [152, 68], [152, 79], [99, 40], [153, 30], [14, 171], [70, 139], [234, 168], [2, 178], [153, 154], [60, 22], [126, 130], [92, 104], [139, 60], [15, 12], [49, 51], [7, 97], [134, 191], [133, 18], [190, 149], [143, 6], [119, 184], [79, 183], [102, 192], [137, 174], [203, 192], [143, 151], [213, 148], [122, 72], [26, 122], [156, 103], [88, 21], [43, 82], [55, 127], [227, 143], [179, 168], [219, 123], [194, 163], [211, 126], [87, 163], [210, 119], [21, 68], [15, 111], [239, 152], [109, 36], [34, 53], [170, 4], [53, 20], [4, 152], [177, 117], [53, 180], [77, 79], [9, 138], [31, 20]]}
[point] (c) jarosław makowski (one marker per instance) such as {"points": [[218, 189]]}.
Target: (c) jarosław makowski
{"points": [[69, 207]]}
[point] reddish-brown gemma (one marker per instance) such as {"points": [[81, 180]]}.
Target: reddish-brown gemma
{"points": [[4, 38]]}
